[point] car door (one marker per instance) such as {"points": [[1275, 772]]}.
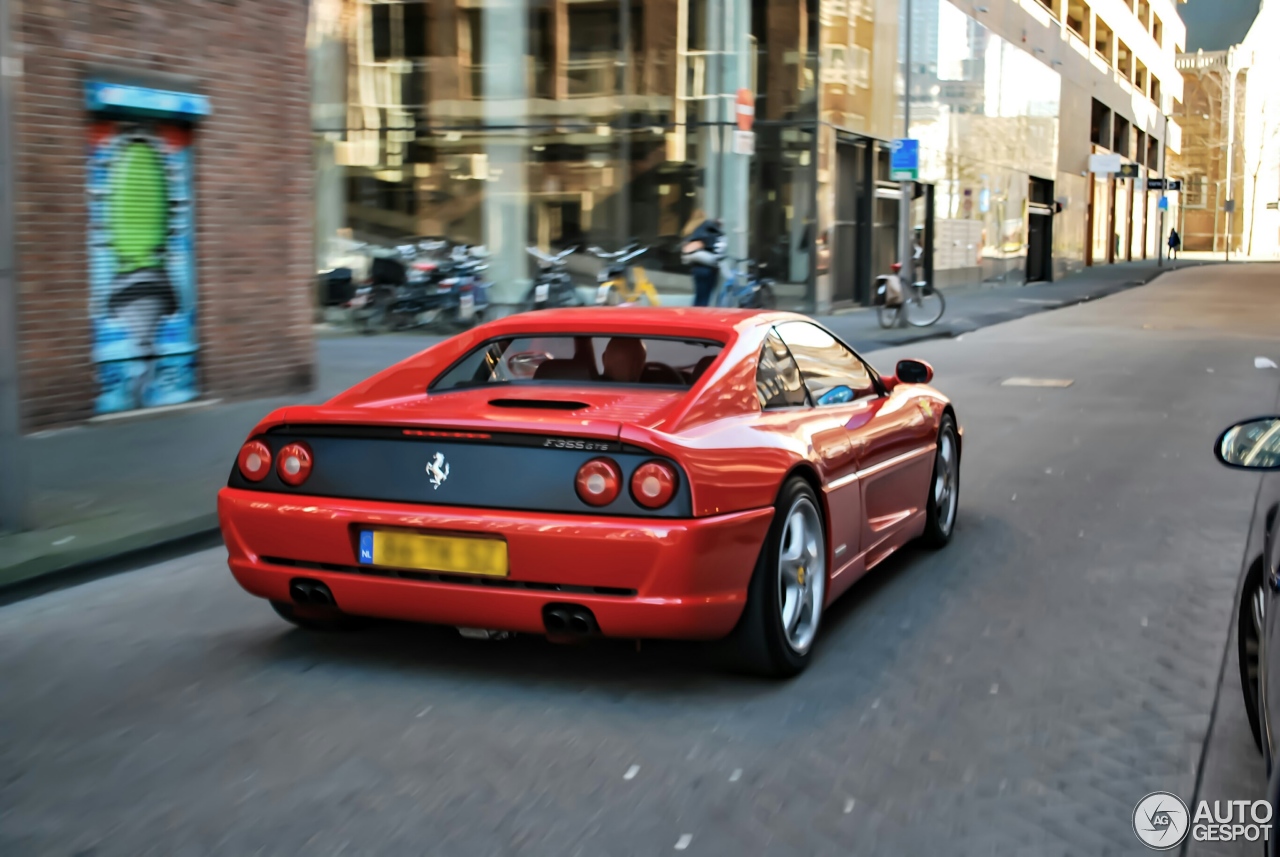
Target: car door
{"points": [[785, 401], [844, 395], [890, 434]]}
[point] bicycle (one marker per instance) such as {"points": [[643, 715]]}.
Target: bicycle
{"points": [[921, 304], [618, 286], [747, 290]]}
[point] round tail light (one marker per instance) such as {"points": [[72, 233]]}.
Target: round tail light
{"points": [[254, 461], [599, 482], [653, 484], [294, 464]]}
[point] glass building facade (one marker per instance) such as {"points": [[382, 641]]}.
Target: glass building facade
{"points": [[510, 123]]}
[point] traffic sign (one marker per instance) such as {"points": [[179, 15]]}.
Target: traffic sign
{"points": [[1128, 171], [1164, 184], [1164, 203], [746, 109], [904, 160], [1174, 185], [744, 142], [1230, 207]]}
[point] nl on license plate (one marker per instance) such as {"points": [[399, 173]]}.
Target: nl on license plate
{"points": [[444, 554]]}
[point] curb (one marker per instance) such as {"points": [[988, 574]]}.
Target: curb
{"points": [[67, 568]]}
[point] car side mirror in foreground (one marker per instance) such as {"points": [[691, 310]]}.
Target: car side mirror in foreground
{"points": [[914, 372], [1251, 444]]}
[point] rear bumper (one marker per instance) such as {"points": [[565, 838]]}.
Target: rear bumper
{"points": [[658, 578]]}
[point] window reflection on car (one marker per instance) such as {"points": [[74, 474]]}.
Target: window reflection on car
{"points": [[826, 364]]}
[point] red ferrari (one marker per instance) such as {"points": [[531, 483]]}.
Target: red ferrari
{"points": [[660, 473]]}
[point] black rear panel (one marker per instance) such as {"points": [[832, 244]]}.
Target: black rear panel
{"points": [[523, 472]]}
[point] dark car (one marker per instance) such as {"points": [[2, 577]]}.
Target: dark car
{"points": [[1254, 444]]}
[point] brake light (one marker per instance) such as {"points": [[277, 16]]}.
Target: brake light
{"points": [[294, 464], [653, 484], [599, 482], [254, 461]]}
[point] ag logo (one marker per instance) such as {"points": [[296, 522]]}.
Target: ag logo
{"points": [[438, 470], [1161, 821]]}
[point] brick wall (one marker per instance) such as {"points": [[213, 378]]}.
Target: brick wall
{"points": [[252, 190]]}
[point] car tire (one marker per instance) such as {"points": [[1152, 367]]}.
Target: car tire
{"points": [[791, 572], [1248, 643], [942, 504], [316, 618]]}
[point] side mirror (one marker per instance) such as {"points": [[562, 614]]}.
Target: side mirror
{"points": [[914, 372], [1252, 444]]}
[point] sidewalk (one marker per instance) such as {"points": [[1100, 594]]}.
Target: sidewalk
{"points": [[109, 488]]}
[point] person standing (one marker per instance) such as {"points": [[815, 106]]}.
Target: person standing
{"points": [[701, 252], [1175, 243]]}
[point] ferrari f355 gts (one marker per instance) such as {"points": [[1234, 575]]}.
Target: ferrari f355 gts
{"points": [[693, 474]]}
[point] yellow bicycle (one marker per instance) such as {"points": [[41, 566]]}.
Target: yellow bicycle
{"points": [[622, 285]]}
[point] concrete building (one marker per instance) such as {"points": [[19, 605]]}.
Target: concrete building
{"points": [[160, 158], [1230, 159], [563, 122]]}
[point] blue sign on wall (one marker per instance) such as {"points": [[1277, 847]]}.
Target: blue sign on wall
{"points": [[101, 96], [904, 160]]}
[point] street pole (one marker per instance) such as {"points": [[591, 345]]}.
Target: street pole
{"points": [[1164, 191], [905, 248], [12, 463], [624, 121], [1231, 145]]}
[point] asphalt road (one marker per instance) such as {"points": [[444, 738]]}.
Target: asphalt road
{"points": [[1016, 693]]}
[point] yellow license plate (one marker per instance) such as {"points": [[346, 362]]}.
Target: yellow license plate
{"points": [[445, 554]]}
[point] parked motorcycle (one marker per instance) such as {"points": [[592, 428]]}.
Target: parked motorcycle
{"points": [[441, 290], [553, 286]]}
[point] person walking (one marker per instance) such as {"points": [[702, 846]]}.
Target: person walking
{"points": [[701, 252], [1175, 243]]}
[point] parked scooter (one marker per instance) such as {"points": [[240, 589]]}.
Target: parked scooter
{"points": [[449, 290], [553, 286], [621, 284]]}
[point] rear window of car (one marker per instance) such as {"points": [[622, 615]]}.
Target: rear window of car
{"points": [[566, 359]]}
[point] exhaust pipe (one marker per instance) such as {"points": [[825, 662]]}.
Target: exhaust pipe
{"points": [[569, 620], [304, 591]]}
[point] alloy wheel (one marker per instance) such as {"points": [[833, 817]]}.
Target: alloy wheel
{"points": [[802, 575]]}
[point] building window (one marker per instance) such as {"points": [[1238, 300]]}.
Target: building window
{"points": [[1157, 30], [1124, 61], [834, 70], [1103, 40], [1155, 91], [1153, 153], [1144, 14], [1078, 18], [1120, 136], [859, 67], [1100, 129], [1140, 76], [864, 9], [1195, 189]]}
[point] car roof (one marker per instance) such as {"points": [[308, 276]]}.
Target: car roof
{"points": [[694, 322]]}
